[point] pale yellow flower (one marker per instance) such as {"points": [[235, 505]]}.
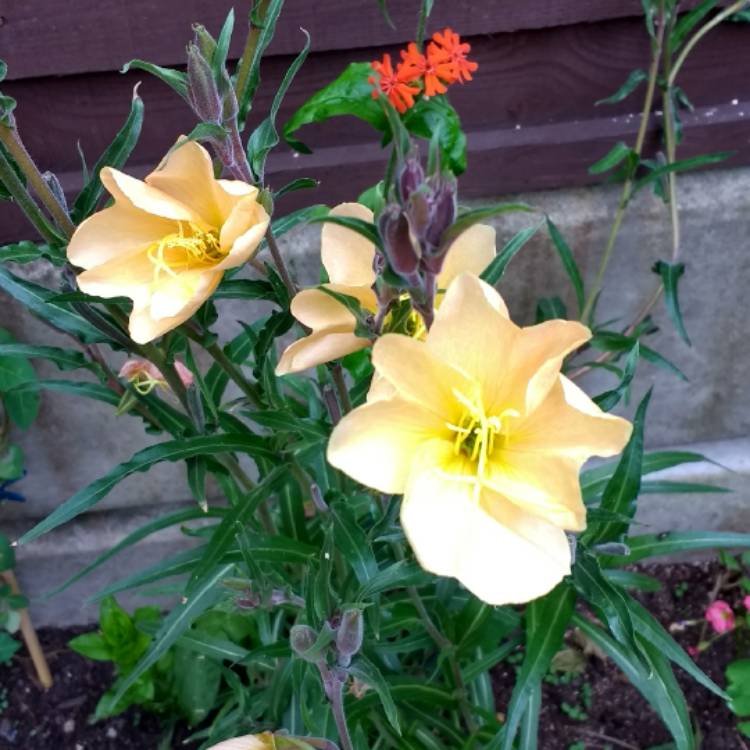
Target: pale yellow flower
{"points": [[348, 259], [485, 439], [167, 241], [265, 741]]}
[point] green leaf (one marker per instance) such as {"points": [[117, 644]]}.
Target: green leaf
{"points": [[494, 272], [176, 80], [8, 647], [265, 31], [619, 152], [609, 399], [94, 391], [550, 308], [660, 689], [364, 670], [176, 450], [20, 252], [568, 261], [611, 341], [301, 183], [22, 406], [265, 137], [92, 646], [683, 165], [688, 22], [219, 58], [197, 680], [475, 215], [115, 156], [65, 359], [353, 543], [157, 524], [621, 493], [530, 723], [610, 603], [671, 542], [349, 94], [547, 619], [37, 299], [203, 596], [738, 678], [634, 80], [301, 216], [670, 275], [652, 631], [665, 487], [245, 289], [399, 575]]}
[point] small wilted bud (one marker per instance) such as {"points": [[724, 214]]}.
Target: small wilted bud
{"points": [[54, 185], [302, 639], [399, 248], [349, 635], [205, 42], [410, 178], [202, 91]]}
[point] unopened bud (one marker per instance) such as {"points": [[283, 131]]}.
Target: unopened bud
{"points": [[263, 741], [410, 178], [202, 91], [399, 248], [205, 42], [309, 645], [443, 210], [54, 185], [349, 635]]}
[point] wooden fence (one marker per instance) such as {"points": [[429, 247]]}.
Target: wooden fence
{"points": [[530, 113]]}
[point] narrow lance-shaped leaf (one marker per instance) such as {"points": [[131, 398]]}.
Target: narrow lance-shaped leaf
{"points": [[265, 137], [622, 490], [568, 261], [684, 165], [115, 155], [609, 399], [645, 546], [494, 272], [670, 275], [474, 216], [365, 670], [633, 81], [175, 79], [618, 153], [175, 450]]}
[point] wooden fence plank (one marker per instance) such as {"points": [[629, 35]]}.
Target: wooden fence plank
{"points": [[48, 37]]}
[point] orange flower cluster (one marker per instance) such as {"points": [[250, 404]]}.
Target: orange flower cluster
{"points": [[444, 62]]}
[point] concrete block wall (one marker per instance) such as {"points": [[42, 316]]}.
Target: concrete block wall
{"points": [[76, 441]]}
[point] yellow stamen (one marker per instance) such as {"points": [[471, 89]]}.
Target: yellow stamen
{"points": [[185, 250]]}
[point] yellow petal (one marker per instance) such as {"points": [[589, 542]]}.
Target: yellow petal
{"points": [[501, 554], [187, 175], [242, 232], [472, 251], [144, 327], [537, 357], [248, 742], [380, 389], [473, 333], [115, 232], [125, 276], [366, 296], [376, 443], [316, 309], [136, 193], [544, 485], [569, 423], [419, 376], [318, 348], [347, 256]]}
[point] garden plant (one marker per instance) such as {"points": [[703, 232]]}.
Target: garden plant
{"points": [[388, 470]]}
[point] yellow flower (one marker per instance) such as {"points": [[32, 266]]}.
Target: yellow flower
{"points": [[265, 741], [485, 438], [166, 241], [348, 259]]}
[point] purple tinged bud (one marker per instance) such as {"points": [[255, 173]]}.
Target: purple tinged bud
{"points": [[205, 42], [402, 255], [202, 92], [349, 636], [410, 179], [302, 638], [443, 210]]}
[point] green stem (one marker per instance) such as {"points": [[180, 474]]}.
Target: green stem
{"points": [[688, 48], [627, 187], [12, 141], [343, 391], [422, 23], [16, 188], [279, 261]]}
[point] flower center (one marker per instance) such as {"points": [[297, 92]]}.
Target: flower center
{"points": [[478, 433], [188, 248]]}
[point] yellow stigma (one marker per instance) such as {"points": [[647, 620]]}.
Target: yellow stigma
{"points": [[477, 432], [188, 249]]}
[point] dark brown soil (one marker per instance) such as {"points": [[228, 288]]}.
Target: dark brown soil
{"points": [[617, 716], [59, 719], [614, 717]]}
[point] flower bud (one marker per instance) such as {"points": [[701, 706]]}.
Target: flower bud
{"points": [[410, 178], [349, 635], [399, 248], [202, 91], [302, 640], [263, 741], [443, 210]]}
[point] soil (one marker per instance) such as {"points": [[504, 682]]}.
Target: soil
{"points": [[616, 715], [597, 708]]}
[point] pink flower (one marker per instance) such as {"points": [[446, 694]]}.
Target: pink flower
{"points": [[746, 602], [693, 651], [721, 617], [145, 375]]}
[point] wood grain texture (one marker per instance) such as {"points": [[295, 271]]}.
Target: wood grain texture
{"points": [[48, 37]]}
